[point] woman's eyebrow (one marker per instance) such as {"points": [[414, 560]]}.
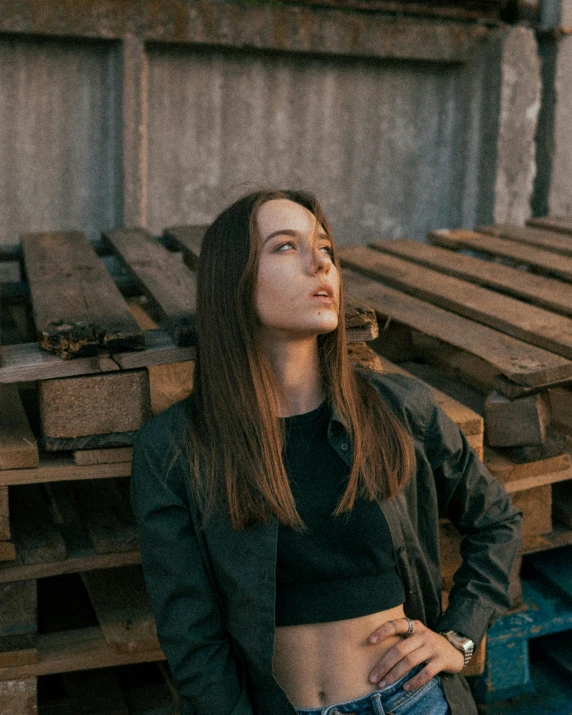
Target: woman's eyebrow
{"points": [[290, 232]]}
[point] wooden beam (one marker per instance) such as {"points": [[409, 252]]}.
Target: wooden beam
{"points": [[561, 225], [162, 277], [545, 292], [548, 240], [77, 306], [522, 363], [560, 266], [528, 323]]}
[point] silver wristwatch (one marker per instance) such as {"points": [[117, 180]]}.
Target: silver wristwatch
{"points": [[465, 645]]}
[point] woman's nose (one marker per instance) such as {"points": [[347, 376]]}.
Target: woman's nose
{"points": [[321, 261]]}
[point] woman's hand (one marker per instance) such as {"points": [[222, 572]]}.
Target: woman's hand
{"points": [[422, 646]]}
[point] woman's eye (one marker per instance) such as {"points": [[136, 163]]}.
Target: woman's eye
{"points": [[329, 250], [281, 246]]}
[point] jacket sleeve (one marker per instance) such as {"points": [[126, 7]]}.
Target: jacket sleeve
{"points": [[183, 600], [479, 507]]}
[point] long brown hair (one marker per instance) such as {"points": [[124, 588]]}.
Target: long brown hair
{"points": [[234, 437]]}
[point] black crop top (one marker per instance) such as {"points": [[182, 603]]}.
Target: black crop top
{"points": [[344, 566]]}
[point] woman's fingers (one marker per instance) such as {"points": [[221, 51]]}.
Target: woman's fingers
{"points": [[395, 627], [400, 651], [423, 646]]}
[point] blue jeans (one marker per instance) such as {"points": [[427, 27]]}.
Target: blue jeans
{"points": [[392, 700]]}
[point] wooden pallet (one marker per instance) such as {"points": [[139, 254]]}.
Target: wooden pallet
{"points": [[547, 596], [81, 525]]}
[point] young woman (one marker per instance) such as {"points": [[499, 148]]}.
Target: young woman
{"points": [[288, 509]]}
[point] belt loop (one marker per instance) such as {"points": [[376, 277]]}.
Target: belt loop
{"points": [[377, 706]]}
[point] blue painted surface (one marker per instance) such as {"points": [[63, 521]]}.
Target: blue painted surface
{"points": [[548, 611], [552, 696], [507, 667], [554, 567]]}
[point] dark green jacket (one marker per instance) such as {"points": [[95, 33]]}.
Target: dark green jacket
{"points": [[213, 591]]}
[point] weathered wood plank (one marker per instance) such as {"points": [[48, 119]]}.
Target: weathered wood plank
{"points": [[119, 598], [65, 651], [361, 354], [512, 423], [37, 537], [522, 363], [19, 609], [114, 402], [27, 362], [15, 571], [162, 277], [558, 265], [188, 239], [84, 457], [516, 477], [61, 467], [19, 696], [536, 506], [545, 292], [106, 515], [168, 383], [466, 419], [77, 306], [540, 238], [527, 322], [561, 408], [7, 551], [554, 223], [18, 446]]}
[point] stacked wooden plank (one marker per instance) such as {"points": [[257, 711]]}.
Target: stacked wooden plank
{"points": [[486, 315], [70, 404]]}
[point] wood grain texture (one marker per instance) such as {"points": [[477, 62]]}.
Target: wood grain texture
{"points": [[61, 467], [548, 240], [515, 476], [522, 363], [37, 536], [84, 457], [113, 402], [19, 696], [523, 321], [77, 306], [119, 598], [66, 651], [549, 293], [468, 421], [106, 514], [513, 423], [560, 266], [554, 223], [162, 277], [18, 446]]}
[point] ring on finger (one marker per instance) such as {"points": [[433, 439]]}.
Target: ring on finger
{"points": [[410, 627]]}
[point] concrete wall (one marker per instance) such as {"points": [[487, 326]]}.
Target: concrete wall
{"points": [[553, 188], [163, 112], [59, 138]]}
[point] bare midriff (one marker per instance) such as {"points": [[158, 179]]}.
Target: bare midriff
{"points": [[319, 664]]}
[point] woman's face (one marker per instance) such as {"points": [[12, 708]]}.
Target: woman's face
{"points": [[295, 263]]}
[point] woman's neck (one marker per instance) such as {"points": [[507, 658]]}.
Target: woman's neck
{"points": [[297, 367]]}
